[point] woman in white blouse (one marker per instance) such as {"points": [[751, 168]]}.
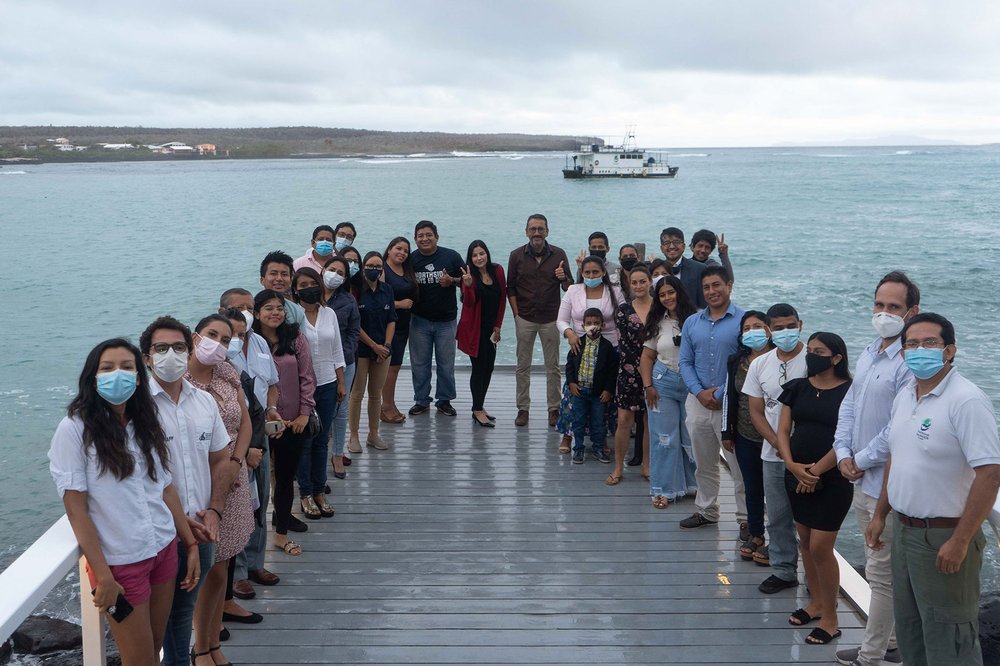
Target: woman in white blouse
{"points": [[593, 291], [322, 330], [108, 459], [671, 462]]}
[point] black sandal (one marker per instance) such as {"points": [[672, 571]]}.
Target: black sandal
{"points": [[217, 648], [751, 546], [195, 655], [801, 617], [820, 636]]}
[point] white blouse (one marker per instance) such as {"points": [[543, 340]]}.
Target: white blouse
{"points": [[666, 351], [324, 343], [132, 520]]}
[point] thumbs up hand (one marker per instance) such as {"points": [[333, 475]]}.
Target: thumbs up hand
{"points": [[561, 271]]}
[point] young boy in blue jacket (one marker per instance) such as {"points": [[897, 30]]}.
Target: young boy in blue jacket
{"points": [[591, 374]]}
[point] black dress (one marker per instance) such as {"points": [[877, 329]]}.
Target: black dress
{"points": [[814, 423]]}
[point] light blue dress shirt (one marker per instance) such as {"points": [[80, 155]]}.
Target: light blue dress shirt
{"points": [[863, 422], [706, 346]]}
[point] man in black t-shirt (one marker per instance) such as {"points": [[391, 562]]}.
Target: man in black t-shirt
{"points": [[433, 320]]}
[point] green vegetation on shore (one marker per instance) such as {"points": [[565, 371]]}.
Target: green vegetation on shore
{"points": [[261, 142]]}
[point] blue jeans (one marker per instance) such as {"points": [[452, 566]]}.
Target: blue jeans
{"points": [[177, 640], [752, 469], [783, 549], [588, 414], [340, 413], [432, 338], [671, 460], [312, 461]]}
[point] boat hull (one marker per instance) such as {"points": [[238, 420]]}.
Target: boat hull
{"points": [[578, 174]]}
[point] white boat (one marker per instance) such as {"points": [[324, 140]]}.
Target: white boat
{"points": [[624, 161]]}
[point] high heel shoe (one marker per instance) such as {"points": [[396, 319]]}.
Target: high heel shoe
{"points": [[487, 424], [195, 655], [217, 648]]}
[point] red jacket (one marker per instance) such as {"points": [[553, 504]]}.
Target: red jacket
{"points": [[472, 314]]}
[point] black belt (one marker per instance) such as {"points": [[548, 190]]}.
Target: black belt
{"points": [[927, 522]]}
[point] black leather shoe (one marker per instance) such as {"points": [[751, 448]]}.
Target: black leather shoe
{"points": [[418, 409], [774, 584], [446, 408], [294, 524]]}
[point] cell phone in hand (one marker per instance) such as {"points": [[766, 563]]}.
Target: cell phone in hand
{"points": [[272, 427], [121, 610]]}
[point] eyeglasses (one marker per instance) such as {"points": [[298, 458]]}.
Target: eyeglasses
{"points": [[375, 266], [347, 237], [672, 243], [537, 230], [163, 347], [782, 373], [926, 343]]}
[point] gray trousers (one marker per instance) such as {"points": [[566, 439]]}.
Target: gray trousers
{"points": [[252, 557], [937, 615]]}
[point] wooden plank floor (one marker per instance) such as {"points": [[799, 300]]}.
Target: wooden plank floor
{"points": [[465, 545]]}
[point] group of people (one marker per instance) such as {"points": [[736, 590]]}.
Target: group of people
{"points": [[166, 458]]}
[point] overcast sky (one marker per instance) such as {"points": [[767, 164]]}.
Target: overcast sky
{"points": [[690, 73]]}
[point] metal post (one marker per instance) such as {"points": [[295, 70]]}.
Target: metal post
{"points": [[92, 621]]}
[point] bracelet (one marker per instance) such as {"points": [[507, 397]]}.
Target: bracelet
{"points": [[238, 461], [647, 387], [217, 512], [270, 407], [193, 544]]}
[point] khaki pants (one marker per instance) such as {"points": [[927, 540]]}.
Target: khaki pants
{"points": [[937, 615], [705, 428], [526, 332], [880, 632], [369, 375]]}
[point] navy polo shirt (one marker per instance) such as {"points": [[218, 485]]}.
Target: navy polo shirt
{"points": [[377, 310]]}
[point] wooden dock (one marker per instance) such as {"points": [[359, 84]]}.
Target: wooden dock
{"points": [[468, 545]]}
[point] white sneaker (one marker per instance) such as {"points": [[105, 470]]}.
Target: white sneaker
{"points": [[376, 442], [354, 444]]}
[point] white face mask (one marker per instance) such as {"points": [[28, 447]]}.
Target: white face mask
{"points": [[170, 366], [332, 280], [591, 329], [249, 317], [887, 325]]}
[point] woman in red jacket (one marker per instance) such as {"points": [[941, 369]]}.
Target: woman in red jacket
{"points": [[484, 297]]}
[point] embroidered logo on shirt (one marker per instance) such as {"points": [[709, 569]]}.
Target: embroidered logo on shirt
{"points": [[205, 436], [923, 433]]}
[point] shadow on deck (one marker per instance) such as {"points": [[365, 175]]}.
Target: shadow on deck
{"points": [[465, 545]]}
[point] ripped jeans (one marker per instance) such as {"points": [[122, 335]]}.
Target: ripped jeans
{"points": [[671, 460]]}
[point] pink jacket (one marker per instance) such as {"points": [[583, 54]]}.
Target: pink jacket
{"points": [[574, 304]]}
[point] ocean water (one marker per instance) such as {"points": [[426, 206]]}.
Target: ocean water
{"points": [[93, 251]]}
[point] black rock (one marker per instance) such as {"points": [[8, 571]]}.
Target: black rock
{"points": [[75, 657], [5, 651], [41, 634], [989, 627]]}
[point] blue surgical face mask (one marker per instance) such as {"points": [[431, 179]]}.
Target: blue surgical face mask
{"points": [[116, 386], [235, 348], [352, 266], [785, 340], [755, 339], [924, 363], [341, 243], [593, 282], [324, 248]]}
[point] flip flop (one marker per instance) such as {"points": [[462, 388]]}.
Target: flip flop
{"points": [[820, 637], [801, 617], [612, 480], [660, 502], [290, 548]]}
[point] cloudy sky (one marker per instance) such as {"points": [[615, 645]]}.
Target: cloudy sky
{"points": [[687, 73]]}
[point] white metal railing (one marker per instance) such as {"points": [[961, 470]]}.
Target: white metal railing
{"points": [[27, 581]]}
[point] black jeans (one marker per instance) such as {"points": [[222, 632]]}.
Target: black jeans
{"points": [[752, 469], [286, 462], [482, 369]]}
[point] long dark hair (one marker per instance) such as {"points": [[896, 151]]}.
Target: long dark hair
{"points": [[102, 428], [594, 259], [309, 272], [491, 269], [408, 273], [742, 351], [836, 345], [685, 308], [356, 279], [346, 284], [626, 277], [287, 331]]}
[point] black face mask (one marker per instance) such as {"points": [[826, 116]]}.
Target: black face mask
{"points": [[816, 364], [310, 295], [599, 253], [628, 263], [372, 274]]}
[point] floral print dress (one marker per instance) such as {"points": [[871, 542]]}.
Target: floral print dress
{"points": [[629, 394]]}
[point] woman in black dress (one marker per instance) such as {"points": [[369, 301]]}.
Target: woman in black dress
{"points": [[819, 495], [400, 276]]}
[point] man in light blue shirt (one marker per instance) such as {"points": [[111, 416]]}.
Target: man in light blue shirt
{"points": [[862, 447], [708, 339]]}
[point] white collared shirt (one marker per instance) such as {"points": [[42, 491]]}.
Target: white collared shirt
{"points": [[259, 365], [863, 421], [936, 443], [325, 345], [194, 428], [765, 378], [133, 522]]}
